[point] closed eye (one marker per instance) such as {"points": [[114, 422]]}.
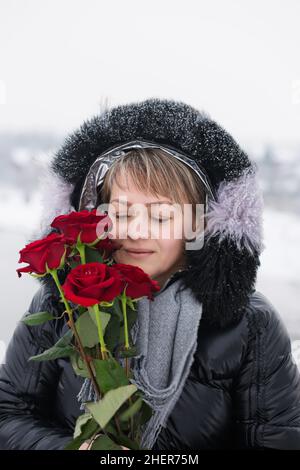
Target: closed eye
{"points": [[159, 219]]}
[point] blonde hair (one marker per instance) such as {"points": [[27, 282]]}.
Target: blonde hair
{"points": [[156, 172]]}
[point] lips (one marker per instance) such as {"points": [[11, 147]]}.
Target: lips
{"points": [[139, 254], [139, 251]]}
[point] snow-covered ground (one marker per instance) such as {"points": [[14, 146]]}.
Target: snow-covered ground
{"points": [[278, 276]]}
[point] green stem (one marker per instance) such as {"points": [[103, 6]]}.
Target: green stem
{"points": [[123, 300], [81, 249], [124, 309], [83, 355], [53, 273], [103, 348]]}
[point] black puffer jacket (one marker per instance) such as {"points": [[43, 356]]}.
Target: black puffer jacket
{"points": [[243, 390]]}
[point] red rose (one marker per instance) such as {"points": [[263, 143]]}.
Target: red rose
{"points": [[50, 250], [91, 283], [139, 284], [88, 224]]}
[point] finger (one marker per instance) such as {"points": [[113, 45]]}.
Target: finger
{"points": [[84, 446]]}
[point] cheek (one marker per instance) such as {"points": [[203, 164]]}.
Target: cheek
{"points": [[118, 256], [170, 249]]}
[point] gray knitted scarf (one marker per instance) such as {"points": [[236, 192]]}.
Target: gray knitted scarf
{"points": [[165, 335]]}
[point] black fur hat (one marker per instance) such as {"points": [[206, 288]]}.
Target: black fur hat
{"points": [[223, 272]]}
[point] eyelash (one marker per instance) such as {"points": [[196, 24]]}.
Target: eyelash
{"points": [[118, 216]]}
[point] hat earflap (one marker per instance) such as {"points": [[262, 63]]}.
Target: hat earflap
{"points": [[237, 212], [221, 276], [222, 273]]}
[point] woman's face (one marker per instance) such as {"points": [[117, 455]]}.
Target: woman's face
{"points": [[140, 224]]}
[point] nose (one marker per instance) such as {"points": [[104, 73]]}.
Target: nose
{"points": [[135, 233], [138, 228]]}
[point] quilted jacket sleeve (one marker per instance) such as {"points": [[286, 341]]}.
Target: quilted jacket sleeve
{"points": [[27, 390], [267, 392]]}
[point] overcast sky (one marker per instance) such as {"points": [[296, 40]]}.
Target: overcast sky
{"points": [[237, 60]]}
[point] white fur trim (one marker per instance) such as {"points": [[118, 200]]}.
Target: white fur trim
{"points": [[55, 200], [237, 213]]}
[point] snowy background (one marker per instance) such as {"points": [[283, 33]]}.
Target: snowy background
{"points": [[20, 209], [238, 61]]}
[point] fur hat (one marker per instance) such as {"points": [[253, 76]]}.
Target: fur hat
{"points": [[222, 273]]}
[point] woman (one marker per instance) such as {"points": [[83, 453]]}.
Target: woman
{"points": [[218, 370]]}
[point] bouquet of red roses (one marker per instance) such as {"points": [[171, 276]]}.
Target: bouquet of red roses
{"points": [[99, 299]]}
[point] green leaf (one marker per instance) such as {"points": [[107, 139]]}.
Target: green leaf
{"points": [[73, 252], [132, 410], [80, 422], [112, 333], [89, 429], [37, 318], [74, 444], [92, 255], [104, 317], [103, 442], [109, 374], [110, 429], [131, 319], [73, 263], [131, 352], [38, 275], [86, 330], [125, 441], [61, 349], [106, 408], [145, 414], [130, 303], [117, 309], [65, 340], [79, 365], [53, 353], [85, 426], [121, 437], [81, 309]]}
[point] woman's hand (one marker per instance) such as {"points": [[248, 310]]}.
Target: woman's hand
{"points": [[86, 444]]}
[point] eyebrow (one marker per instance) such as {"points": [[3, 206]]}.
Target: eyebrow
{"points": [[146, 203]]}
